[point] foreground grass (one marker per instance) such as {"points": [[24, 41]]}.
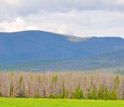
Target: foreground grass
{"points": [[23, 102]]}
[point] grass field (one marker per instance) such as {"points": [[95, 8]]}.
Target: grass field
{"points": [[22, 102]]}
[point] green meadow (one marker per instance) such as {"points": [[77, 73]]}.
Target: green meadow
{"points": [[29, 102]]}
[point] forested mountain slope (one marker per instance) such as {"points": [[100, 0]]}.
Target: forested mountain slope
{"points": [[29, 46]]}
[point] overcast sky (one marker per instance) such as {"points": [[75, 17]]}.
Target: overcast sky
{"points": [[82, 18]]}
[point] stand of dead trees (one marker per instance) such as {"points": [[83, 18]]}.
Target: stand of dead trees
{"points": [[62, 85]]}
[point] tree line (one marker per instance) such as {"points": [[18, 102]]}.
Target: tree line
{"points": [[62, 85]]}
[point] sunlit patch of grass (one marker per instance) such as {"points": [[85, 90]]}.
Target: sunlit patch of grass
{"points": [[30, 102]]}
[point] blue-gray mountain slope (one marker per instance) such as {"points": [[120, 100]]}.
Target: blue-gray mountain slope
{"points": [[38, 45]]}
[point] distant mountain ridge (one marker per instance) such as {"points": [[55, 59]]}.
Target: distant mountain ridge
{"points": [[114, 61], [27, 46]]}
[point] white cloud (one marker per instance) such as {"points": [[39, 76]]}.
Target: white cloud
{"points": [[120, 2], [64, 29], [29, 6], [72, 17]]}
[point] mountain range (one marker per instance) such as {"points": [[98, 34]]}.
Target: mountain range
{"points": [[51, 51]]}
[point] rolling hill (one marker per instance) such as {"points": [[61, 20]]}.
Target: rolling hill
{"points": [[111, 60], [49, 51]]}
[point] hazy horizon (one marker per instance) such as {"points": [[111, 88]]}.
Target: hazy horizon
{"points": [[63, 34]]}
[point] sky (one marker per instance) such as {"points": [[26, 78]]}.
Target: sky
{"points": [[83, 18]]}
